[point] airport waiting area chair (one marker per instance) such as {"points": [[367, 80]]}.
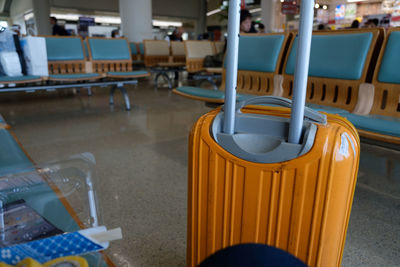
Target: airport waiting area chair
{"points": [[112, 58], [66, 60], [380, 120], [196, 52], [338, 81], [157, 57], [137, 55], [219, 46], [178, 52], [258, 70]]}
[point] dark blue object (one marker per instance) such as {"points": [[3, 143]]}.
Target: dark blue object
{"points": [[254, 255]]}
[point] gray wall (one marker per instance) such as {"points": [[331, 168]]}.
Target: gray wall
{"points": [[19, 7], [165, 8], [176, 8], [101, 5]]}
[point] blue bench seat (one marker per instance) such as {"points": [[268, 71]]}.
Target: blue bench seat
{"points": [[208, 95], [75, 76], [12, 158], [20, 79], [127, 74], [327, 109], [376, 123]]}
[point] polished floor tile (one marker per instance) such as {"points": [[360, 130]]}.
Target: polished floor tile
{"points": [[141, 166]]}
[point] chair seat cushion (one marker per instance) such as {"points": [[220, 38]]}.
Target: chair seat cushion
{"points": [[327, 109], [12, 79], [242, 97], [12, 157], [210, 94], [201, 92], [375, 123], [127, 73], [76, 76]]}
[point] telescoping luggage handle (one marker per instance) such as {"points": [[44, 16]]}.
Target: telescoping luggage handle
{"points": [[300, 75]]}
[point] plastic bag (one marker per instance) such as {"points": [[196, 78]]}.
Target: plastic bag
{"points": [[35, 54], [10, 63], [6, 40]]}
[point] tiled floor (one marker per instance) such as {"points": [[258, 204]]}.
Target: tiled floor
{"points": [[142, 169]]}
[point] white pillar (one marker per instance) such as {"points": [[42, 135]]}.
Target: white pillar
{"points": [[136, 19], [41, 11], [202, 22], [268, 14]]}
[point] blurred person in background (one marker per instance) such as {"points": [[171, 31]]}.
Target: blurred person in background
{"points": [[245, 21], [57, 29], [261, 28], [355, 24], [176, 35]]}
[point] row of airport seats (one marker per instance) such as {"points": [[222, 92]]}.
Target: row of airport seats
{"points": [[154, 52], [109, 63], [353, 73], [163, 57], [137, 52]]}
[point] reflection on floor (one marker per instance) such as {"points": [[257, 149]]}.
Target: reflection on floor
{"points": [[142, 165]]}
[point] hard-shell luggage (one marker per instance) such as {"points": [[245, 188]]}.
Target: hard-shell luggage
{"points": [[300, 205], [271, 171]]}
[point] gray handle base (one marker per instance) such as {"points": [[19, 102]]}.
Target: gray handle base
{"points": [[262, 138]]}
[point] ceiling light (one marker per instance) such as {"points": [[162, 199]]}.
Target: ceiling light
{"points": [[164, 23], [212, 12], [325, 7], [255, 10], [316, 5], [282, 1]]}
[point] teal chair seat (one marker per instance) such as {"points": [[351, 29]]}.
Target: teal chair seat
{"points": [[242, 97], [16, 79], [375, 123], [128, 73], [76, 76], [327, 109], [201, 92], [12, 158], [210, 95]]}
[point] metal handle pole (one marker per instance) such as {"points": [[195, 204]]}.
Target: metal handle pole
{"points": [[301, 70], [231, 66]]}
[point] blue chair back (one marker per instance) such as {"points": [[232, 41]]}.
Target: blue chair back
{"points": [[109, 49], [389, 71], [260, 52], [141, 48], [64, 49], [338, 56], [133, 48]]}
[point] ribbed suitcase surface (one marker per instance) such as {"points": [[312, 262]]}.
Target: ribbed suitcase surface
{"points": [[301, 206]]}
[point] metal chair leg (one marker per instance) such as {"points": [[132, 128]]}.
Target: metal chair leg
{"points": [[168, 80], [126, 97], [165, 75], [89, 91], [112, 91]]}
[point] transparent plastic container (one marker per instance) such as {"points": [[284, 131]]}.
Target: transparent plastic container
{"points": [[50, 199]]}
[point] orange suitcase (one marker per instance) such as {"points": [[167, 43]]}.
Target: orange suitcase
{"points": [[300, 205], [271, 175]]}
